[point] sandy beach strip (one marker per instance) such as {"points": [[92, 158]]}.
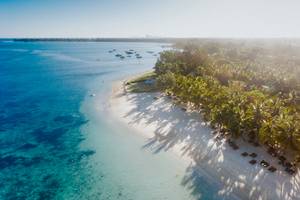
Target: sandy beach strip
{"points": [[167, 127]]}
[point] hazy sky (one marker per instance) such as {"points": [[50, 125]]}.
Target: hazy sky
{"points": [[138, 18]]}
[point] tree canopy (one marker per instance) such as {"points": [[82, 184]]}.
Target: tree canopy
{"points": [[250, 90]]}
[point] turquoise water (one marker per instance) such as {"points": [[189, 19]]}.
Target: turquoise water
{"points": [[57, 142]]}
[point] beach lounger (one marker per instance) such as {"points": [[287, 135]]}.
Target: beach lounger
{"points": [[253, 155], [282, 158], [290, 171], [264, 163], [252, 162], [272, 169], [288, 165], [244, 154], [272, 152]]}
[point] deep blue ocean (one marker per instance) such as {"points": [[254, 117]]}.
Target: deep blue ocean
{"points": [[55, 145]]}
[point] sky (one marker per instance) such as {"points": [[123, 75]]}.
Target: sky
{"points": [[154, 18]]}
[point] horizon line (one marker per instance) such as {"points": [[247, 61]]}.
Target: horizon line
{"points": [[138, 38]]}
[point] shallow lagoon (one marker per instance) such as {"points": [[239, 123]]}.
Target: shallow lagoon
{"points": [[56, 142]]}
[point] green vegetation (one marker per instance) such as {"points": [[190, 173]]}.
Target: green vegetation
{"points": [[246, 89], [144, 83]]}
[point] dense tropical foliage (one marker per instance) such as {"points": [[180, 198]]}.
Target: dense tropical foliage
{"points": [[246, 90]]}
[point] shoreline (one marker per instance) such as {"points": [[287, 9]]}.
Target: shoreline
{"points": [[168, 128]]}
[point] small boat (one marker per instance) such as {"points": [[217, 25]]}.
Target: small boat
{"points": [[122, 57], [92, 95], [128, 52], [139, 57], [118, 55]]}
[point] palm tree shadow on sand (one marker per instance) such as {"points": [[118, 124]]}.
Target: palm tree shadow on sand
{"points": [[209, 157]]}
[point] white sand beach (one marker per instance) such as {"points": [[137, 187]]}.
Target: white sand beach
{"points": [[167, 127]]}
